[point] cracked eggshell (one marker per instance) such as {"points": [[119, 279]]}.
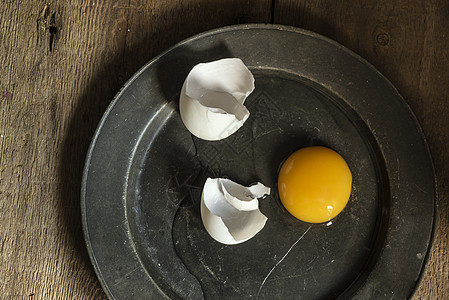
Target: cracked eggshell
{"points": [[212, 98], [230, 212]]}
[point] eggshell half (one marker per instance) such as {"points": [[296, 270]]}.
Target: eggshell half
{"points": [[230, 212], [212, 98]]}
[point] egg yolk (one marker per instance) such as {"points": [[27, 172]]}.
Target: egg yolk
{"points": [[314, 184]]}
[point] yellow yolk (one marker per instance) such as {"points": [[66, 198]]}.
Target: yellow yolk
{"points": [[315, 184]]}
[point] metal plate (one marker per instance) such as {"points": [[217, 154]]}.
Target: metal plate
{"points": [[144, 173]]}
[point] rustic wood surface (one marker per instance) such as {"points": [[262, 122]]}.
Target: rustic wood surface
{"points": [[61, 64]]}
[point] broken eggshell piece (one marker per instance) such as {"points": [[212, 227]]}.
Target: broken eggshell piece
{"points": [[212, 97], [230, 211]]}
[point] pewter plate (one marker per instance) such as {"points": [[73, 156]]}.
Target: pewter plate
{"points": [[144, 174]]}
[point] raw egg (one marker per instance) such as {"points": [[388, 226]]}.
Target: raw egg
{"points": [[314, 184]]}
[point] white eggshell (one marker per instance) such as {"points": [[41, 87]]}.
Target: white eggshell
{"points": [[230, 212], [212, 97]]}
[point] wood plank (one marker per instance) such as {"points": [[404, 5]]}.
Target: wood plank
{"points": [[407, 41], [60, 66]]}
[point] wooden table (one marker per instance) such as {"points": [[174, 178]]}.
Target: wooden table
{"points": [[61, 64]]}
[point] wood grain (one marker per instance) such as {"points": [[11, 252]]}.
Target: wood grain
{"points": [[62, 63]]}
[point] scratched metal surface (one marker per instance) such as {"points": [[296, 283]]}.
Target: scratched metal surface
{"points": [[145, 171]]}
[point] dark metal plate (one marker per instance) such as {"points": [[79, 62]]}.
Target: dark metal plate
{"points": [[144, 174]]}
